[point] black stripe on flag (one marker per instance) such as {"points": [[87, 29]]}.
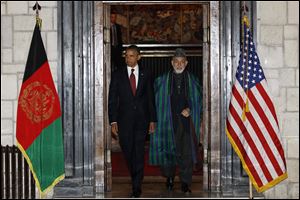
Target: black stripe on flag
{"points": [[37, 54]]}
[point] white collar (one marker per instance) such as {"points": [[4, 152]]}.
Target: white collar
{"points": [[136, 68]]}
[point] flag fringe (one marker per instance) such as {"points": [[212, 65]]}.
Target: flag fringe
{"points": [[262, 188], [274, 182], [45, 191]]}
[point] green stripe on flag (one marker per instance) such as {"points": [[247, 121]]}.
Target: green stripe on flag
{"points": [[47, 156]]}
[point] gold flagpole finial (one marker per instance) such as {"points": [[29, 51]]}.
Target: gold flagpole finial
{"points": [[37, 7]]}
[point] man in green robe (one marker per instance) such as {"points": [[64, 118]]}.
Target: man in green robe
{"points": [[178, 100]]}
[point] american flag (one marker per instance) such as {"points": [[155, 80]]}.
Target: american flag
{"points": [[252, 125]]}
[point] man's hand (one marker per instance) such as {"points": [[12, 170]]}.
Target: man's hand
{"points": [[186, 112], [114, 129], [151, 127]]}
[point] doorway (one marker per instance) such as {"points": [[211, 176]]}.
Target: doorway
{"points": [[157, 29]]}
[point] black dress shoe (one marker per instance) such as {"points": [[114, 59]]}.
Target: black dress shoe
{"points": [[170, 183], [135, 194], [185, 189]]}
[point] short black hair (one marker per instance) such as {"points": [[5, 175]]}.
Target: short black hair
{"points": [[134, 48]]}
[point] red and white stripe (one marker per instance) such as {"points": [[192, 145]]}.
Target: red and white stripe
{"points": [[258, 137]]}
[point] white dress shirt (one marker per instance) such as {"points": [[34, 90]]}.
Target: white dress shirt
{"points": [[136, 73]]}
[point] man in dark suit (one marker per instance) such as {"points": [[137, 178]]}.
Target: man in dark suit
{"points": [[132, 113], [116, 43]]}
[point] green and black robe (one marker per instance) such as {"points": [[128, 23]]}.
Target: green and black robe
{"points": [[162, 143]]}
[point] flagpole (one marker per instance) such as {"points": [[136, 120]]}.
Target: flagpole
{"points": [[250, 190], [38, 22], [244, 9], [245, 107]]}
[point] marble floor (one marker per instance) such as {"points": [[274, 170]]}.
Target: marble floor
{"points": [[154, 187]]}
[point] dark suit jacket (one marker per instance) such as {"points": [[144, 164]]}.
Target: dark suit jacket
{"points": [[128, 110], [116, 51], [119, 35]]}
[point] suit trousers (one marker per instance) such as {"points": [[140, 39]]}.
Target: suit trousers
{"points": [[132, 142]]}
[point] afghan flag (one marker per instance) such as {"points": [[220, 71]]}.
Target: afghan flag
{"points": [[39, 127]]}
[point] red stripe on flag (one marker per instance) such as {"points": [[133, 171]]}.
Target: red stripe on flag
{"points": [[27, 129], [267, 99], [245, 156], [264, 143], [259, 134], [249, 140], [267, 124]]}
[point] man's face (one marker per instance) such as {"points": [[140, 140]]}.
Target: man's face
{"points": [[179, 64], [131, 57], [113, 18]]}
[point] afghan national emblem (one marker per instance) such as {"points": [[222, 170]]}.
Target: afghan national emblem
{"points": [[37, 101]]}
